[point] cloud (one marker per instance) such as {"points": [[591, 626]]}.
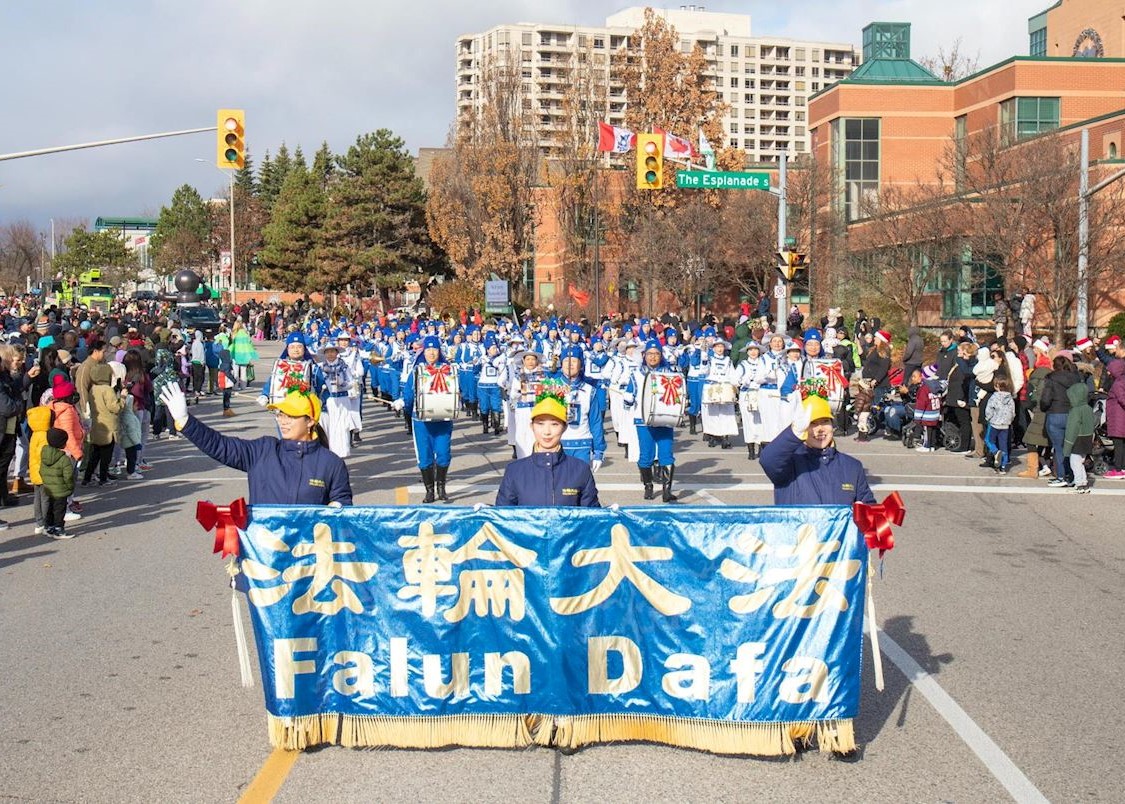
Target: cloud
{"points": [[308, 72]]}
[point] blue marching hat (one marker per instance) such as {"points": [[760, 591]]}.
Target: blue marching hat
{"points": [[295, 337], [431, 342], [653, 343], [573, 351], [812, 335]]}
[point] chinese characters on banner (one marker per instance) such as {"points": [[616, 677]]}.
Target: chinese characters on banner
{"points": [[738, 617]]}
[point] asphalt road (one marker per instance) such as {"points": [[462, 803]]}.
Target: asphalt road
{"points": [[120, 681]]}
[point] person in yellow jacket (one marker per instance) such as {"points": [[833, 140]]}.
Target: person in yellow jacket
{"points": [[39, 422]]}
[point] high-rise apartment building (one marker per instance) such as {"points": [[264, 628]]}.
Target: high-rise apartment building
{"points": [[765, 80]]}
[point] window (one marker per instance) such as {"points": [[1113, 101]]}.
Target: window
{"points": [[799, 100], [969, 286], [734, 81], [815, 86], [960, 133], [748, 145], [815, 57], [599, 42], [799, 72], [1113, 150], [546, 292], [799, 86], [734, 51], [855, 164], [800, 54], [1037, 48], [748, 98], [1025, 117], [734, 142], [734, 128], [526, 39], [718, 50]]}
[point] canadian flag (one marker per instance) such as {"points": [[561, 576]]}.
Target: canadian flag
{"points": [[675, 147], [615, 140]]}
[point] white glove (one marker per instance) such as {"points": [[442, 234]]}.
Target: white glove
{"points": [[615, 507], [477, 507], [398, 404], [174, 400], [335, 504], [353, 392], [801, 421], [595, 465], [263, 400]]}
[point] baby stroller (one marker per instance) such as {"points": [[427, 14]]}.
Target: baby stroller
{"points": [[947, 435], [1101, 456]]}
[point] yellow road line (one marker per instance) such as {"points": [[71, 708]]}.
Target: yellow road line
{"points": [[270, 778], [402, 495]]}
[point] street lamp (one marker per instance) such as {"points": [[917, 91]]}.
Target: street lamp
{"points": [[230, 204]]}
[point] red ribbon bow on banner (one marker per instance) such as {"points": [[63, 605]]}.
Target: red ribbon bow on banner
{"points": [[834, 374], [438, 384], [875, 521], [226, 521], [670, 388]]}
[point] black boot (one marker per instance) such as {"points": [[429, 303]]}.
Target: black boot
{"points": [[646, 478], [711, 441], [495, 417], [441, 472], [409, 424], [484, 423], [694, 422], [726, 442], [989, 461], [667, 473], [750, 451], [428, 482]]}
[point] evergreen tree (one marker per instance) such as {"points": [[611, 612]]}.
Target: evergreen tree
{"points": [[287, 259], [270, 181], [375, 227], [323, 166], [244, 179], [183, 233], [299, 159]]}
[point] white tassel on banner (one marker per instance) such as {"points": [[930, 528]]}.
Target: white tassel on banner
{"points": [[241, 646], [873, 629]]}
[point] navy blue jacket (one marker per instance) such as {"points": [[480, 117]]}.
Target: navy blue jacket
{"points": [[803, 476], [547, 479], [279, 471]]}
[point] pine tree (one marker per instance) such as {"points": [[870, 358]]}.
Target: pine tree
{"points": [[269, 184], [287, 259], [299, 159], [244, 179], [265, 180], [375, 228], [183, 233], [324, 164]]}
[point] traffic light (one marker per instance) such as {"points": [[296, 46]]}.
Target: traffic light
{"points": [[650, 161], [231, 140], [790, 262]]}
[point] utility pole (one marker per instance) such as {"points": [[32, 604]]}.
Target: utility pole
{"points": [[99, 143], [233, 290], [1085, 193], [782, 290]]}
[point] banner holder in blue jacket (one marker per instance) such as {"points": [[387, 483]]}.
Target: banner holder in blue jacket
{"points": [[735, 630]]}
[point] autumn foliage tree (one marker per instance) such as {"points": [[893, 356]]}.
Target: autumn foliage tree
{"points": [[481, 206]]}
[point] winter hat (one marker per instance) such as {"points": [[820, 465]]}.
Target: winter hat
{"points": [[1042, 345], [1083, 344], [64, 356], [930, 372], [573, 351], [653, 343], [812, 335], [62, 388], [883, 335], [1112, 342], [1020, 341], [56, 437], [431, 342]]}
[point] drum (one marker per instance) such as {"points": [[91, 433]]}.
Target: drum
{"points": [[436, 397], [833, 372], [719, 393], [663, 399], [748, 399]]}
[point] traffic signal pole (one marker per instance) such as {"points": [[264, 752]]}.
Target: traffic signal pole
{"points": [[100, 143], [782, 289]]}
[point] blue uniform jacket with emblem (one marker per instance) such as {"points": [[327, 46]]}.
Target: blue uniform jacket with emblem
{"points": [[547, 479], [803, 476], [278, 471]]}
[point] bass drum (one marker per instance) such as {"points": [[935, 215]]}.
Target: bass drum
{"points": [[436, 396], [663, 399]]}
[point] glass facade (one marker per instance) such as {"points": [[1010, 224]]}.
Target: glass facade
{"points": [[968, 288], [855, 164], [1037, 46]]}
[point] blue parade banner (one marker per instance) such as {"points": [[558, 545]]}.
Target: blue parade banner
{"points": [[729, 629]]}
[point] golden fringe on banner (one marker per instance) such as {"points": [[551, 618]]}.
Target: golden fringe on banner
{"points": [[521, 731]]}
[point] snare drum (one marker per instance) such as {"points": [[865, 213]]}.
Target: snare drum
{"points": [[832, 369], [436, 396], [719, 393], [663, 398]]}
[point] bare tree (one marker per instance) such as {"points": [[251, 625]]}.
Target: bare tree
{"points": [[952, 64], [22, 251]]}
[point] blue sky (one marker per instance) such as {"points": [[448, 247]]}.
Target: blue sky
{"points": [[79, 71]]}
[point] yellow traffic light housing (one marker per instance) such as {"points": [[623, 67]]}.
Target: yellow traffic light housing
{"points": [[231, 139], [790, 262], [650, 161]]}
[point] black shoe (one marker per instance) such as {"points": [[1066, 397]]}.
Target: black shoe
{"points": [[750, 452], [441, 473], [107, 483], [711, 441], [646, 478], [428, 482], [666, 475], [989, 462], [484, 424], [11, 501], [355, 438], [726, 442], [694, 420]]}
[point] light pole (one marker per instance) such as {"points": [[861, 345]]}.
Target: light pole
{"points": [[230, 206], [1085, 193]]}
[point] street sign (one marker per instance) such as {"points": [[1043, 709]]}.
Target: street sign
{"points": [[720, 180], [496, 296], [779, 291]]}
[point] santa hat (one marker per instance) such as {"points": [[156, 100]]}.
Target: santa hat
{"points": [[1083, 344], [1042, 345], [1113, 341], [883, 335]]}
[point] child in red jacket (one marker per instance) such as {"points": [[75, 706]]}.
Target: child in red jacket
{"points": [[927, 408]]}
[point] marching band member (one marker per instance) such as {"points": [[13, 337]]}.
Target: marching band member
{"points": [[432, 439], [294, 365], [585, 434], [339, 390], [655, 447], [467, 357], [698, 358], [549, 475], [751, 373], [624, 428], [353, 358], [719, 421], [493, 379], [775, 413], [597, 368], [526, 379]]}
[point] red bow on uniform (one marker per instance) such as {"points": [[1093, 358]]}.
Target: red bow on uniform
{"points": [[226, 521], [875, 521], [670, 388], [438, 374]]}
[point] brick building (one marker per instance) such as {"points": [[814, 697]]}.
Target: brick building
{"points": [[893, 123]]}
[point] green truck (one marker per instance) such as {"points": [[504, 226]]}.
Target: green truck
{"points": [[87, 290]]}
